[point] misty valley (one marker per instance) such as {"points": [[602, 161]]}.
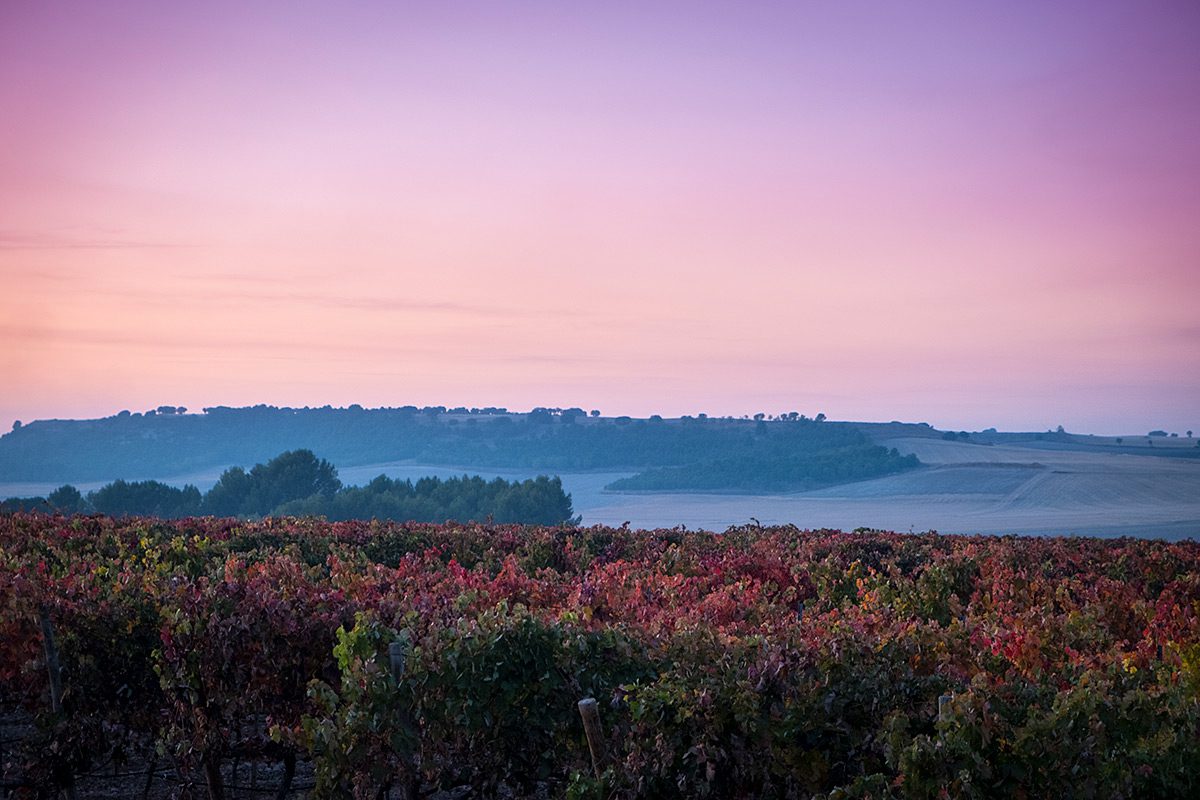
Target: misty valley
{"points": [[701, 472]]}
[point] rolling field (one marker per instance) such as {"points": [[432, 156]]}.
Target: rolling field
{"points": [[967, 488], [1028, 489]]}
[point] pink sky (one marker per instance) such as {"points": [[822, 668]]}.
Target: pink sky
{"points": [[931, 212]]}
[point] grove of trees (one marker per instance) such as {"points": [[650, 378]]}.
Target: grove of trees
{"points": [[299, 483], [549, 439]]}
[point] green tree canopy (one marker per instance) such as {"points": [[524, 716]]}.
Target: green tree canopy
{"points": [[294, 475], [147, 498]]}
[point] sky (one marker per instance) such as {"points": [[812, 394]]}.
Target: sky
{"points": [[968, 214]]}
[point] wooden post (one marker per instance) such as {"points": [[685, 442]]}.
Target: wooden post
{"points": [[396, 655], [589, 710], [944, 707], [289, 772], [54, 670], [212, 774], [149, 776]]}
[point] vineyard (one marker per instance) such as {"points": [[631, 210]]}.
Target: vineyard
{"points": [[374, 660]]}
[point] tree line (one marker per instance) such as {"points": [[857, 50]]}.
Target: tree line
{"points": [[545, 439], [774, 471], [299, 483]]}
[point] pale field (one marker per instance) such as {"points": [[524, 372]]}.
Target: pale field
{"points": [[966, 488]]}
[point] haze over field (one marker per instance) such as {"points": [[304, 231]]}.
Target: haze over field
{"points": [[974, 216], [651, 473], [1002, 490]]}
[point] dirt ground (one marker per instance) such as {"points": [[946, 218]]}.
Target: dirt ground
{"points": [[160, 778], [139, 777]]}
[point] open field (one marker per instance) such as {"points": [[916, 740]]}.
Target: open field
{"points": [[1031, 488], [967, 488]]}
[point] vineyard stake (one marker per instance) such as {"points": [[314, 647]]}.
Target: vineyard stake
{"points": [[54, 670], [149, 777], [396, 656], [589, 710], [944, 707], [212, 775], [52, 664], [289, 772]]}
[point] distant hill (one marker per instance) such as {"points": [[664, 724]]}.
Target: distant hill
{"points": [[1157, 443], [789, 453]]}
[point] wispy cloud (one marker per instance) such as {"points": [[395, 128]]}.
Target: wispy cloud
{"points": [[221, 345], [12, 240], [357, 302], [274, 292]]}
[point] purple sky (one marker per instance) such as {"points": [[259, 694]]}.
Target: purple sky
{"points": [[948, 212]]}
